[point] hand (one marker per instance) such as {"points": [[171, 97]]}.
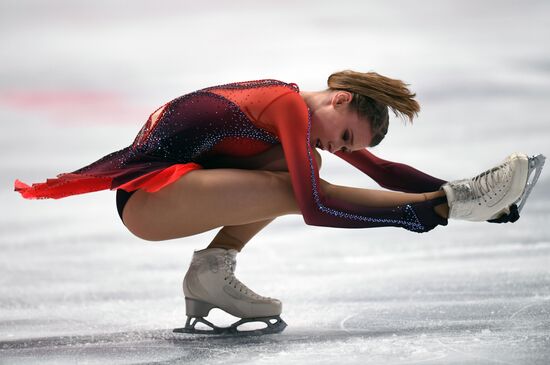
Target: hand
{"points": [[426, 214], [510, 217]]}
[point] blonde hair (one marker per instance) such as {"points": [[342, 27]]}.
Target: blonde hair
{"points": [[373, 94]]}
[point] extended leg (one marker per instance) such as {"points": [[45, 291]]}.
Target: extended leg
{"points": [[379, 198]]}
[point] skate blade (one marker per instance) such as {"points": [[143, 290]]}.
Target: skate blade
{"points": [[274, 324], [536, 163]]}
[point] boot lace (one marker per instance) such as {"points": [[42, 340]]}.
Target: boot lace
{"points": [[483, 185], [229, 266]]}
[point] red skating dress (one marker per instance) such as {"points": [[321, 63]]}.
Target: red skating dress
{"points": [[244, 119]]}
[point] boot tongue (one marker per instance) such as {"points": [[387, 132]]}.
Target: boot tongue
{"points": [[232, 256], [230, 261], [232, 252]]}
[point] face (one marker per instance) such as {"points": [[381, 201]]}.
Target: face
{"points": [[335, 127]]}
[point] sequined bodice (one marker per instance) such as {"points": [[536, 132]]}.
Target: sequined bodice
{"points": [[195, 124]]}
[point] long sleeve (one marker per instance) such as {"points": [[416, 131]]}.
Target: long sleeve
{"points": [[392, 175], [289, 115]]}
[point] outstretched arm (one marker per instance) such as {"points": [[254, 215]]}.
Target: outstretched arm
{"points": [[290, 117], [392, 175]]}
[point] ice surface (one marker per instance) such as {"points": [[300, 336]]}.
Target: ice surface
{"points": [[78, 80]]}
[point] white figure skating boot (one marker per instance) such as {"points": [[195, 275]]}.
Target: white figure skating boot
{"points": [[490, 194], [210, 283]]}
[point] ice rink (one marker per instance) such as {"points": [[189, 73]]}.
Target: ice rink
{"points": [[77, 81]]}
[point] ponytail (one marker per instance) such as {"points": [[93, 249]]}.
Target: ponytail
{"points": [[373, 94]]}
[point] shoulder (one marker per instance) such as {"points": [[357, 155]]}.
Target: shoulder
{"points": [[258, 95], [284, 102], [257, 84]]}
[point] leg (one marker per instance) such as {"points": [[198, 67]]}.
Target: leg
{"points": [[236, 237], [261, 195], [380, 198], [205, 199]]}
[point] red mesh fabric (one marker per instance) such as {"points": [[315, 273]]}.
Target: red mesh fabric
{"points": [[64, 185], [72, 184]]}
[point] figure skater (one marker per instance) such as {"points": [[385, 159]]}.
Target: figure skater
{"points": [[239, 155]]}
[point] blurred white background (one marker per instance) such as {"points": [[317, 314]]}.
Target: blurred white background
{"points": [[78, 79]]}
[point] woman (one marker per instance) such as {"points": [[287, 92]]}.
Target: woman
{"points": [[239, 155]]}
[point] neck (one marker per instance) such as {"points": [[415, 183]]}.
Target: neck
{"points": [[314, 99]]}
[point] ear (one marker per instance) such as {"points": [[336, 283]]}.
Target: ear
{"points": [[341, 98]]}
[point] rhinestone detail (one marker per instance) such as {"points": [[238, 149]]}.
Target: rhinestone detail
{"points": [[410, 221]]}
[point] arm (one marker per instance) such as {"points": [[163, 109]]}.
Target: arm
{"points": [[401, 177], [289, 115], [391, 175]]}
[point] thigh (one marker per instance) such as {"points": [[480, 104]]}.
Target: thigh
{"points": [[204, 199]]}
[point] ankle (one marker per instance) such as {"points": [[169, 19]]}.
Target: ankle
{"points": [[225, 246], [442, 210], [226, 240], [434, 195], [440, 198]]}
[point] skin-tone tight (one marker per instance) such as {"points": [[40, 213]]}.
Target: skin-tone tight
{"points": [[241, 195]]}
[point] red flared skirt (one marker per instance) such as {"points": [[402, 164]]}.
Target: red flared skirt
{"points": [[109, 173]]}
